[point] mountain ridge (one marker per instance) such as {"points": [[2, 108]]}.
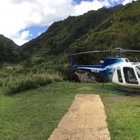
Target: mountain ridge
{"points": [[11, 42]]}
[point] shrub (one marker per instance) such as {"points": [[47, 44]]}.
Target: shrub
{"points": [[13, 85]]}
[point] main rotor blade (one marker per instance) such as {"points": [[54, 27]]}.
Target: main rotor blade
{"points": [[91, 52], [117, 50], [135, 51]]}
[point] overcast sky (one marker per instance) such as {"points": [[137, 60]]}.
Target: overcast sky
{"points": [[23, 20]]}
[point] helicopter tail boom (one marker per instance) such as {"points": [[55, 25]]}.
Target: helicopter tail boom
{"points": [[88, 68]]}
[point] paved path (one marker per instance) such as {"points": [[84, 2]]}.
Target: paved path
{"points": [[85, 120]]}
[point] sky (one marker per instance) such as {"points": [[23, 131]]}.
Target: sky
{"points": [[23, 20]]}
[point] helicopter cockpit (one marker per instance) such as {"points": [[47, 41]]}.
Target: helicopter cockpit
{"points": [[129, 75]]}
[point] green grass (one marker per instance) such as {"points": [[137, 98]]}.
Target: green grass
{"points": [[34, 114], [123, 116]]}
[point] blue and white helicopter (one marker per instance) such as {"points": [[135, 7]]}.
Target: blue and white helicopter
{"points": [[117, 70]]}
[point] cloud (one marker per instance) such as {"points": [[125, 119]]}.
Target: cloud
{"points": [[85, 6], [127, 1], [20, 37], [18, 15]]}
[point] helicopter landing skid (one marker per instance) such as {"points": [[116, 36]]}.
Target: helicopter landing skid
{"points": [[119, 90], [128, 91]]}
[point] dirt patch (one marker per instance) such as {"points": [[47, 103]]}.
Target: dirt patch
{"points": [[85, 120], [119, 98], [83, 88]]}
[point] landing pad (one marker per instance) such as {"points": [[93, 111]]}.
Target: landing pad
{"points": [[85, 120]]}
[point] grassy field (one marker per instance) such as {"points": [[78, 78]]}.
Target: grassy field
{"points": [[34, 114]]}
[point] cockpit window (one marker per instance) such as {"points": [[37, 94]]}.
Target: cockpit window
{"points": [[119, 75], [138, 70], [129, 75]]}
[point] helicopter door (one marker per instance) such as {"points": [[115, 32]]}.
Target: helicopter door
{"points": [[119, 75], [129, 75]]}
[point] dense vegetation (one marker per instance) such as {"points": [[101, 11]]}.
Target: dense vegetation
{"points": [[49, 53]]}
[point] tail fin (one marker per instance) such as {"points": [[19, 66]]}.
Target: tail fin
{"points": [[72, 64]]}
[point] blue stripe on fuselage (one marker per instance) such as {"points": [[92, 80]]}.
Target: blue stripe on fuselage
{"points": [[109, 66], [89, 68]]}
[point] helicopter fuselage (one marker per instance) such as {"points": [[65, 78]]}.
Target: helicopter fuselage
{"points": [[116, 70]]}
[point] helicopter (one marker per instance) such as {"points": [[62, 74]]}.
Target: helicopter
{"points": [[118, 70]]}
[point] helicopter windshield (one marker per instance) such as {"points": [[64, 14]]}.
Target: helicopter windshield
{"points": [[130, 76]]}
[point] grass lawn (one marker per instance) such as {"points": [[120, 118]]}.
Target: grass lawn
{"points": [[34, 114]]}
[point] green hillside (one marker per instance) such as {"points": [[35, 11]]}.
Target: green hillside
{"points": [[62, 34], [8, 41], [122, 29], [8, 51]]}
